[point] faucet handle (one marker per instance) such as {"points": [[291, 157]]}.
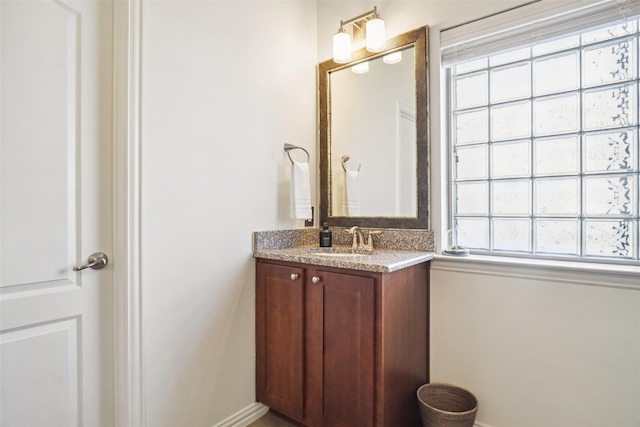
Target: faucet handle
{"points": [[352, 230], [370, 239], [354, 244]]}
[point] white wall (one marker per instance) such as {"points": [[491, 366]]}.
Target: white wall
{"points": [[538, 348], [538, 352], [224, 85]]}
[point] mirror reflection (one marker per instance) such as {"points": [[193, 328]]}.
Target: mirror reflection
{"points": [[373, 138]]}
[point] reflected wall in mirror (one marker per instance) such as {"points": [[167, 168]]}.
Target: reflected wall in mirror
{"points": [[374, 142], [374, 124]]}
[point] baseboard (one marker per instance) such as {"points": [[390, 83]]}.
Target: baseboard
{"points": [[251, 413], [245, 416]]}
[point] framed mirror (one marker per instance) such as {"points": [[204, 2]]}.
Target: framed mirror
{"points": [[374, 136]]}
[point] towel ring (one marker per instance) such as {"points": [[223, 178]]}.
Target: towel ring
{"points": [[345, 159], [289, 147]]}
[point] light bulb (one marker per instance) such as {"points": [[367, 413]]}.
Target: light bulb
{"points": [[361, 68], [392, 58], [375, 35], [342, 47]]}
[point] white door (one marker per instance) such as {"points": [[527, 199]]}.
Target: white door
{"points": [[56, 325]]}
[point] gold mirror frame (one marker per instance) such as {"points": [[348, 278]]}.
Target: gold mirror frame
{"points": [[419, 40]]}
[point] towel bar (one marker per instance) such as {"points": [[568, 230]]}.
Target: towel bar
{"points": [[345, 159], [289, 147]]}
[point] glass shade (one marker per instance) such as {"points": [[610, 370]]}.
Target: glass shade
{"points": [[392, 58], [342, 47], [375, 35], [360, 68]]}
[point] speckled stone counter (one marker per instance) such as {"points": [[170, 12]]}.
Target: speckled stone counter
{"points": [[394, 249]]}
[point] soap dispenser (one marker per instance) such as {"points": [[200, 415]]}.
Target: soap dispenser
{"points": [[325, 236]]}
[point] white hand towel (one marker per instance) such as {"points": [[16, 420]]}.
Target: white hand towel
{"points": [[300, 191], [351, 193]]}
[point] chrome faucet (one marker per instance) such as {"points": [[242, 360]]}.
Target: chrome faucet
{"points": [[358, 237]]}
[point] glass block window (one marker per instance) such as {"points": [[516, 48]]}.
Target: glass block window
{"points": [[545, 148]]}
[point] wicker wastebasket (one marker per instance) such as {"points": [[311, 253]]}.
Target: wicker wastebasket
{"points": [[444, 405]]}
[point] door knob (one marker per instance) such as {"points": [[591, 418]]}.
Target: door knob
{"points": [[294, 276], [96, 261], [315, 279]]}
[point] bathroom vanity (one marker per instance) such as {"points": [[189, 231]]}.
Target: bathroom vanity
{"points": [[342, 341]]}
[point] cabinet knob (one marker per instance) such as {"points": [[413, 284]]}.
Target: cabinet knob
{"points": [[315, 279], [294, 276]]}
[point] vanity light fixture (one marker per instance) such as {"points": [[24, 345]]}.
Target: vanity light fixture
{"points": [[360, 68], [375, 33], [342, 46], [368, 26], [392, 58]]}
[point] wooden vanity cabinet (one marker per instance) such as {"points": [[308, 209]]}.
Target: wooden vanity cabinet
{"points": [[280, 338], [350, 350]]}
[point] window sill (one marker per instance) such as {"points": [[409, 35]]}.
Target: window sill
{"points": [[579, 273]]}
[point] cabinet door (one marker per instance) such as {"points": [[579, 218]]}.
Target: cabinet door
{"points": [[341, 322], [280, 338]]}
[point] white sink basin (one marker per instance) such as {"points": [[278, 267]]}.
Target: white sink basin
{"points": [[335, 254], [338, 252]]}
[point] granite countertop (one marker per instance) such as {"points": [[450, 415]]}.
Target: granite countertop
{"points": [[301, 245], [381, 260]]}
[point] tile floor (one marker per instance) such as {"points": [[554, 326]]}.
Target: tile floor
{"points": [[271, 419]]}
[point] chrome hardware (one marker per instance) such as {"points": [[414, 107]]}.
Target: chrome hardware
{"points": [[358, 237], [345, 159], [294, 276], [370, 239], [96, 261], [315, 279], [289, 147]]}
